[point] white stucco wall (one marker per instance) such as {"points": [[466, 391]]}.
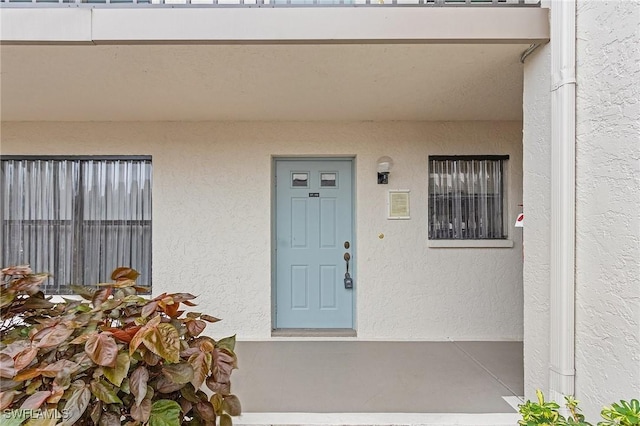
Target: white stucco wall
{"points": [[607, 202], [607, 266], [537, 208], [212, 221]]}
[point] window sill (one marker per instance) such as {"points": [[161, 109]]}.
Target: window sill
{"points": [[470, 243]]}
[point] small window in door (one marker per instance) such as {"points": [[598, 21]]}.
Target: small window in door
{"points": [[300, 180], [328, 180]]}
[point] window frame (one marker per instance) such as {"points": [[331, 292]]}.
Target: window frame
{"points": [[503, 241], [79, 257]]}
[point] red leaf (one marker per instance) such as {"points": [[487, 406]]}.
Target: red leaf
{"points": [[205, 409], [24, 358], [223, 364], [17, 270], [181, 297], [100, 296], [221, 388], [6, 367], [6, 398], [138, 383], [52, 336], [35, 400], [122, 335], [171, 310], [196, 327], [53, 369], [27, 374], [56, 396], [140, 335], [148, 309], [102, 349], [142, 411], [160, 297], [201, 363], [209, 318], [122, 273]]}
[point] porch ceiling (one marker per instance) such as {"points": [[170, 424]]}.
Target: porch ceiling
{"points": [[292, 82]]}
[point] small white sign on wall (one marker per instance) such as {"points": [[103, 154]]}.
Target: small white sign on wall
{"points": [[520, 221], [398, 204]]}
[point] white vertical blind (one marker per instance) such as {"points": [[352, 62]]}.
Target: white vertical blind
{"points": [[465, 198], [77, 219]]}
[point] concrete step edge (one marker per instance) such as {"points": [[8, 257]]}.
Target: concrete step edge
{"points": [[376, 419]]}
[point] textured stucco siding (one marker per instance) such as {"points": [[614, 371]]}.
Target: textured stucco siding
{"points": [[537, 208], [212, 223], [607, 202]]}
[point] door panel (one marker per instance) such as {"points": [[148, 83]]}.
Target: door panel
{"points": [[313, 220]]}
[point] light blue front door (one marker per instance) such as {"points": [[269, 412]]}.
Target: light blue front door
{"points": [[313, 222]]}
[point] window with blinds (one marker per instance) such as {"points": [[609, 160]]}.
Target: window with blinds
{"points": [[466, 197], [76, 218]]}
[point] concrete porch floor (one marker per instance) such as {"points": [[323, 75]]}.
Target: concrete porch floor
{"points": [[355, 378]]}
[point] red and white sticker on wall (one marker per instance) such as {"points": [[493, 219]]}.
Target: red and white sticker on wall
{"points": [[520, 221]]}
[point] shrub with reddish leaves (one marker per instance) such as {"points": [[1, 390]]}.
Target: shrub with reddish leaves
{"points": [[115, 359]]}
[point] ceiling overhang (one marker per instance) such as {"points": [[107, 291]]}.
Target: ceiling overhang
{"points": [[300, 64]]}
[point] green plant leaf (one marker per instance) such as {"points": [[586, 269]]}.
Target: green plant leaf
{"points": [[14, 418], [119, 372], [225, 420], [140, 335], [166, 385], [217, 402], [231, 405], [228, 343], [179, 373], [109, 419], [35, 302], [46, 418], [165, 412], [164, 341], [102, 349], [85, 291], [138, 383], [6, 297], [96, 412], [104, 392], [189, 393]]}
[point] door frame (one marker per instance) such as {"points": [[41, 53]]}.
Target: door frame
{"points": [[273, 240]]}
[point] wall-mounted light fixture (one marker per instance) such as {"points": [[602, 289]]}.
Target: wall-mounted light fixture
{"points": [[384, 166]]}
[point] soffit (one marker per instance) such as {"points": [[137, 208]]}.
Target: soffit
{"points": [[261, 82]]}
